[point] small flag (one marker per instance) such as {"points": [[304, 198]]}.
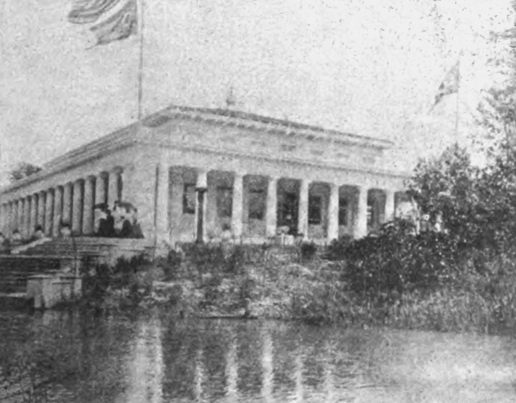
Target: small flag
{"points": [[449, 85], [113, 20], [88, 11]]}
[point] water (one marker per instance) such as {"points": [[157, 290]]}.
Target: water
{"points": [[152, 359]]}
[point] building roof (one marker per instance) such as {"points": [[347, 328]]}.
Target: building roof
{"points": [[229, 117], [226, 117]]}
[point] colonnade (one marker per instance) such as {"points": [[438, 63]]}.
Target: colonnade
{"points": [[360, 224], [71, 204]]}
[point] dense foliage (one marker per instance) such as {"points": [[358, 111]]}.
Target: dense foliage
{"points": [[477, 206], [23, 170]]}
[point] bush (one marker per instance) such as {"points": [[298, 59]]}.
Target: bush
{"points": [[125, 283], [171, 265], [381, 268], [337, 247], [216, 258], [308, 250]]}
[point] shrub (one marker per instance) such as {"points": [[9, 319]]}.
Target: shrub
{"points": [[308, 250], [171, 265], [236, 260], [395, 261], [337, 247]]}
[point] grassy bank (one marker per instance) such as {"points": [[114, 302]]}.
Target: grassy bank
{"points": [[477, 294]]}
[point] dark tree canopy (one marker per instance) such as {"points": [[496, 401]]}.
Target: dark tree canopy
{"points": [[497, 110], [23, 170]]}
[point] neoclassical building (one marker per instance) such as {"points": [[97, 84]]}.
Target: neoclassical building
{"points": [[195, 173]]}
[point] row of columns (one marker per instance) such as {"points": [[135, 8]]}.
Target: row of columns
{"points": [[360, 225], [72, 203]]}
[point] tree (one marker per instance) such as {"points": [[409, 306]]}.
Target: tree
{"points": [[477, 205], [497, 108], [23, 170], [445, 187]]}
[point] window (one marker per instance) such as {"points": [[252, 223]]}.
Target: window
{"points": [[343, 212], [189, 198], [314, 209], [224, 201], [256, 204], [287, 212]]}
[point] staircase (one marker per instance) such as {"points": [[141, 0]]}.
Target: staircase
{"points": [[14, 271], [81, 247], [54, 254]]}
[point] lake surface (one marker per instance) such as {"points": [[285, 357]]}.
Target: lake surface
{"points": [[72, 358]]}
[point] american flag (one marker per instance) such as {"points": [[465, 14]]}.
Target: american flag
{"points": [[109, 20], [450, 83]]}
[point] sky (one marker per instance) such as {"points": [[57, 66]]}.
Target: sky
{"points": [[362, 66]]}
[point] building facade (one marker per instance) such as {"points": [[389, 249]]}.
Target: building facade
{"points": [[197, 173]]}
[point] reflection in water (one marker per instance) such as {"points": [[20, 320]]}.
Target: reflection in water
{"points": [[157, 360], [232, 371], [145, 365], [267, 364]]}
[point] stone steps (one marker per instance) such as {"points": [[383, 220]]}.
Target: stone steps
{"points": [[14, 271], [84, 246]]}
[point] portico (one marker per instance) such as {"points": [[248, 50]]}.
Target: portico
{"points": [[191, 170]]}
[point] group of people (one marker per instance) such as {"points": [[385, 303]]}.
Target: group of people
{"points": [[6, 244], [121, 222]]}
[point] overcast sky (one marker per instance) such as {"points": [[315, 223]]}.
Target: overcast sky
{"points": [[364, 66]]}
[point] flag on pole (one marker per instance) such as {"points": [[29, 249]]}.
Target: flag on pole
{"points": [[111, 20], [450, 83]]}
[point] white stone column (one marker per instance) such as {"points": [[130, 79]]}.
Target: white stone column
{"points": [[162, 202], [272, 205], [389, 205], [333, 213], [77, 208], [100, 197], [19, 222], [113, 188], [302, 220], [7, 219], [2, 219], [33, 220], [27, 229], [87, 214], [21, 205], [41, 209], [49, 211], [100, 189], [58, 210], [67, 204], [13, 212], [237, 205], [360, 229]]}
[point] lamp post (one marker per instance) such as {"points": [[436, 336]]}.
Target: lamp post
{"points": [[200, 214]]}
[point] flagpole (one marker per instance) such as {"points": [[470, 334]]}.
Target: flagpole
{"points": [[140, 64]]}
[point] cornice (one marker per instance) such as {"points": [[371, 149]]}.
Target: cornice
{"points": [[136, 133], [248, 121], [118, 140]]}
